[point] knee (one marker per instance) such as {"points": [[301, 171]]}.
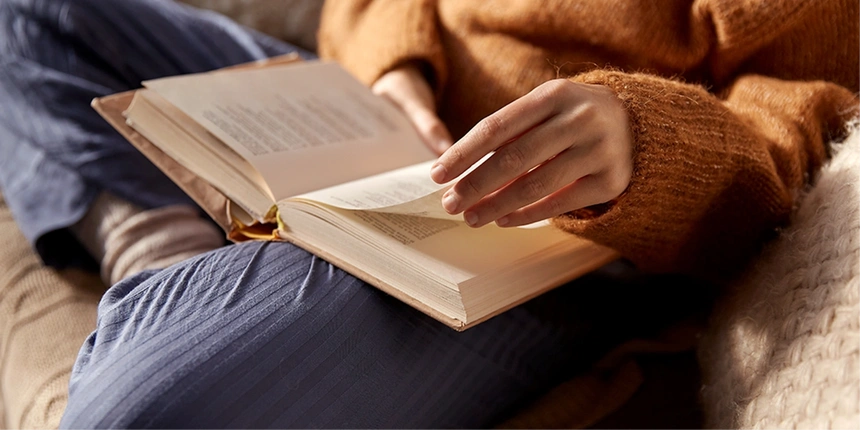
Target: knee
{"points": [[127, 367], [14, 24], [98, 398], [32, 31], [46, 31]]}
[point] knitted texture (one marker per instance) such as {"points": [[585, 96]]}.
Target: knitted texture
{"points": [[126, 239], [106, 213], [783, 348], [728, 105], [45, 316], [157, 238]]}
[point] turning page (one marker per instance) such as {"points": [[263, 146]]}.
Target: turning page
{"points": [[408, 190]]}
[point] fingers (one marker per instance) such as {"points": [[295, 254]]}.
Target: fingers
{"points": [[562, 147], [407, 89], [557, 195], [492, 132], [509, 162], [574, 179], [550, 178], [567, 182], [431, 129], [584, 192]]}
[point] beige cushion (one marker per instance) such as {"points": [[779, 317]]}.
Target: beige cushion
{"points": [[295, 21], [45, 316]]}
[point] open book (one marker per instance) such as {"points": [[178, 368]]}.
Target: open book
{"points": [[303, 152]]}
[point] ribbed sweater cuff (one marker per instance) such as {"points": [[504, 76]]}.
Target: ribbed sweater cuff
{"points": [[697, 177]]}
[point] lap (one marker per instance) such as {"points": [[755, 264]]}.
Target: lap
{"points": [[252, 335], [267, 335]]}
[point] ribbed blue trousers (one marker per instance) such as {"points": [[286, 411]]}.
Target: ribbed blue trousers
{"points": [[257, 334], [56, 155]]}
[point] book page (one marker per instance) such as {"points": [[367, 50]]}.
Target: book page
{"points": [[303, 126], [208, 143], [229, 178], [446, 248], [441, 266], [453, 244], [408, 190]]}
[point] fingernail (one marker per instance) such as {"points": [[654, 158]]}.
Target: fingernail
{"points": [[471, 218], [450, 201], [438, 172], [503, 221]]}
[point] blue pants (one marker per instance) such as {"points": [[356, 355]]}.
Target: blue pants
{"points": [[257, 334], [55, 57], [266, 335]]}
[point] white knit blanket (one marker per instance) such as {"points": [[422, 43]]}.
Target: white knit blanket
{"points": [[783, 349]]}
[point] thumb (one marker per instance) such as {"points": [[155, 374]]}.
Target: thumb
{"points": [[431, 129]]}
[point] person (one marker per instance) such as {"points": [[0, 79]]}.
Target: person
{"points": [[728, 108], [676, 133]]}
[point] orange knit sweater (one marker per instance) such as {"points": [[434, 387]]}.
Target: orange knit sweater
{"points": [[731, 102]]}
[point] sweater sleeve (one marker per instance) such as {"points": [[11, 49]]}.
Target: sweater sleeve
{"points": [[371, 37], [713, 177]]}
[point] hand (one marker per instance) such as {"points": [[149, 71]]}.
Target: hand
{"points": [[561, 147], [407, 88]]}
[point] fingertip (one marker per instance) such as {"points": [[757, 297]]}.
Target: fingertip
{"points": [[471, 218], [438, 173]]}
